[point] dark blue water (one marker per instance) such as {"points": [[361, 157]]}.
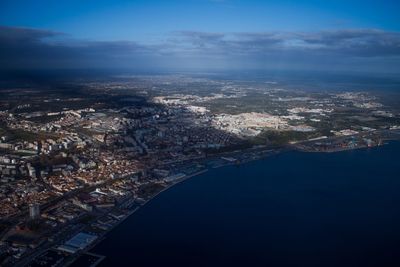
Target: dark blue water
{"points": [[293, 209]]}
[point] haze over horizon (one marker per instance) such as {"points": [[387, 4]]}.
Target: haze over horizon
{"points": [[201, 35]]}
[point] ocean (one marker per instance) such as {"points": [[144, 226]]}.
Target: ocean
{"points": [[291, 209]]}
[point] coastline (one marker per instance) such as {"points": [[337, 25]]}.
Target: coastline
{"points": [[261, 153]]}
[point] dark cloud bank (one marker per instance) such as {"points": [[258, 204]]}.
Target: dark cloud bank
{"points": [[340, 50]]}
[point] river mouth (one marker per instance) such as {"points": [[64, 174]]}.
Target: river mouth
{"points": [[291, 209]]}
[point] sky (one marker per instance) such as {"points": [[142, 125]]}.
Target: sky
{"points": [[359, 36]]}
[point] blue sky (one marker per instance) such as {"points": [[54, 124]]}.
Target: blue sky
{"points": [[140, 20], [302, 33]]}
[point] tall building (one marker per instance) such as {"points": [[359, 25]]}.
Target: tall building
{"points": [[34, 211]]}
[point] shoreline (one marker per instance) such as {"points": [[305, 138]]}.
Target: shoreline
{"points": [[259, 153], [129, 214]]}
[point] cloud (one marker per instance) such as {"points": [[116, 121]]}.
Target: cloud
{"points": [[31, 48], [342, 49], [358, 43], [362, 43], [14, 35]]}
